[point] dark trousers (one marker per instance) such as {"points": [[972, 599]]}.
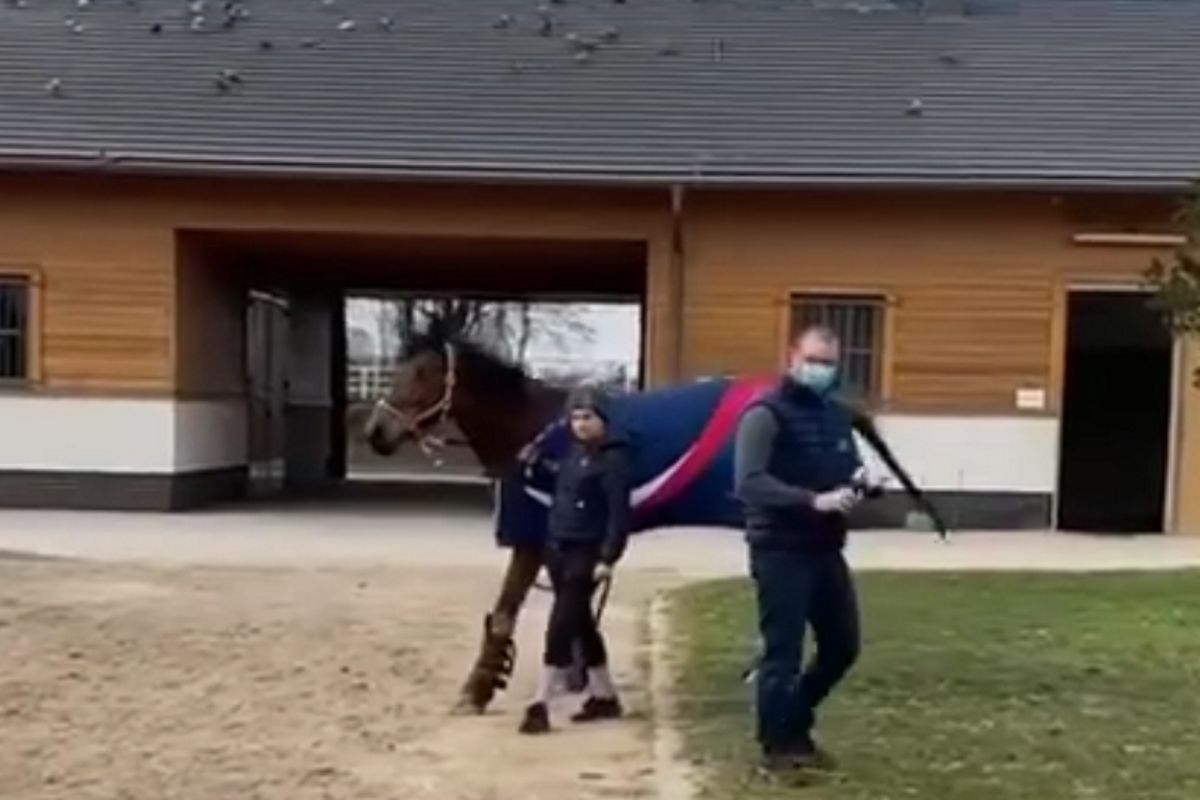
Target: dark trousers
{"points": [[571, 567], [796, 589]]}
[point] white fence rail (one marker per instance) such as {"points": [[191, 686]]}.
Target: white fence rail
{"points": [[367, 381]]}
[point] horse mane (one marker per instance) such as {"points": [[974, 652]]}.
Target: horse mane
{"points": [[478, 364]]}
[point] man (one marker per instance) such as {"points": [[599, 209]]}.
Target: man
{"points": [[797, 470]]}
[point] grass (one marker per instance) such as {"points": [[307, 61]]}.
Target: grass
{"points": [[971, 687]]}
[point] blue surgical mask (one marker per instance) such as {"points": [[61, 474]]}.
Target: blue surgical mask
{"points": [[817, 377]]}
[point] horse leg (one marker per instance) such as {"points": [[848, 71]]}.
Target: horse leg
{"points": [[494, 664]]}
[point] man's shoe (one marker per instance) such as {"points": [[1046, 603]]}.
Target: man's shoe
{"points": [[775, 763], [595, 708], [810, 755], [806, 755], [536, 721]]}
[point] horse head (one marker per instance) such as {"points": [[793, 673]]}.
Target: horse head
{"points": [[440, 378], [420, 397]]}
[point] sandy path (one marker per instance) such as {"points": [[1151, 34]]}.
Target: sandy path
{"points": [[179, 683], [317, 651]]}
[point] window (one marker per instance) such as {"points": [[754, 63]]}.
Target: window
{"points": [[14, 328], [858, 320]]}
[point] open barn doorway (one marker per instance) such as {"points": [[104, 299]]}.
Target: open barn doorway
{"points": [[298, 367], [559, 339], [1116, 414]]}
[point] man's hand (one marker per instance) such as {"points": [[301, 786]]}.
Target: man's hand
{"points": [[602, 573], [867, 484], [836, 501]]}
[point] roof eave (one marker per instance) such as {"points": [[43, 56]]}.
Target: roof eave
{"points": [[156, 165]]}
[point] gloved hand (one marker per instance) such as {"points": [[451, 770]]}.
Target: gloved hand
{"points": [[866, 484], [602, 573], [836, 501]]}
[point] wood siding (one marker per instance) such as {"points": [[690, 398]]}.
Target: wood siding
{"points": [[974, 284], [210, 325], [105, 292], [107, 249], [1187, 487], [976, 281]]}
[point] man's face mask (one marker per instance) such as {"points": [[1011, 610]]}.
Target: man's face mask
{"points": [[817, 376]]}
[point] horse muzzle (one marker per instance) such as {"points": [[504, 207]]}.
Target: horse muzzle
{"points": [[380, 442]]}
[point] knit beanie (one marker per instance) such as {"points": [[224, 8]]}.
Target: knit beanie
{"points": [[590, 398]]}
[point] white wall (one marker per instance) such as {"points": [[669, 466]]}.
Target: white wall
{"points": [[210, 434], [1014, 454], [93, 434], [972, 453]]}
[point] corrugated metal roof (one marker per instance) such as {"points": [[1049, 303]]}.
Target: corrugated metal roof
{"points": [[784, 92]]}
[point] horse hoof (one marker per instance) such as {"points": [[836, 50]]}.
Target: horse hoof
{"points": [[480, 695], [466, 706]]}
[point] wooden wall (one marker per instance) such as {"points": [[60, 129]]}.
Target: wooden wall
{"points": [[1187, 489], [210, 324], [976, 282], [107, 251], [975, 285], [106, 291]]}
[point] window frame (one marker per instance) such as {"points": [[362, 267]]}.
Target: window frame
{"points": [[881, 394], [31, 278]]}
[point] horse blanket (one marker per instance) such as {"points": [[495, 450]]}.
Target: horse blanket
{"points": [[681, 447]]}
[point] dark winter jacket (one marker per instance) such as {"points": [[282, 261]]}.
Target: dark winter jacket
{"points": [[791, 446], [591, 498]]}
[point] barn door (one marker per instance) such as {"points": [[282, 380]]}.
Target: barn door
{"points": [[1114, 443], [266, 390]]}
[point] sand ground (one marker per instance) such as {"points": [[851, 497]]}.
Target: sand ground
{"points": [[132, 682], [316, 652]]}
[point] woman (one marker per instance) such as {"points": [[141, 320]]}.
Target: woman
{"points": [[589, 526]]}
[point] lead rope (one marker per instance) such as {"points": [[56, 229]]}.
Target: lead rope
{"points": [[604, 589], [528, 457]]}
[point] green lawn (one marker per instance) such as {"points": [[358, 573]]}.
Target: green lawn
{"points": [[971, 686]]}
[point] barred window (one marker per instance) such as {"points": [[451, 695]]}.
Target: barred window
{"points": [[14, 328], [858, 321]]}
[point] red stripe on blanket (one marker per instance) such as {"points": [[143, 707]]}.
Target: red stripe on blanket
{"points": [[721, 426]]}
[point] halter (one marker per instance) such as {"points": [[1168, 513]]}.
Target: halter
{"points": [[429, 443]]}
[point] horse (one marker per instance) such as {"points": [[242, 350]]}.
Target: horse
{"points": [[681, 437]]}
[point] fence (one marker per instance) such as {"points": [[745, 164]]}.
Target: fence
{"points": [[370, 380], [367, 381]]}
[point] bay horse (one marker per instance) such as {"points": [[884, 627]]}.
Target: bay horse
{"points": [[681, 439]]}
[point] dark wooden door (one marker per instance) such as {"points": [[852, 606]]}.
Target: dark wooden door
{"points": [[266, 390]]}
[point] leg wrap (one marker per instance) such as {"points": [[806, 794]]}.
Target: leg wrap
{"points": [[498, 652], [493, 667]]}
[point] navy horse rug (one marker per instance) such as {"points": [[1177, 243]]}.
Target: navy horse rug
{"points": [[681, 448]]}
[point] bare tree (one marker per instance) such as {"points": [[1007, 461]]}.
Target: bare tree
{"points": [[507, 327]]}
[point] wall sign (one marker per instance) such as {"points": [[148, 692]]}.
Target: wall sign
{"points": [[1031, 399]]}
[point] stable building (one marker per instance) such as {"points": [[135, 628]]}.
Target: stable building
{"points": [[969, 191]]}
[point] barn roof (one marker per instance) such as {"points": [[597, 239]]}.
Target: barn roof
{"points": [[720, 92]]}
